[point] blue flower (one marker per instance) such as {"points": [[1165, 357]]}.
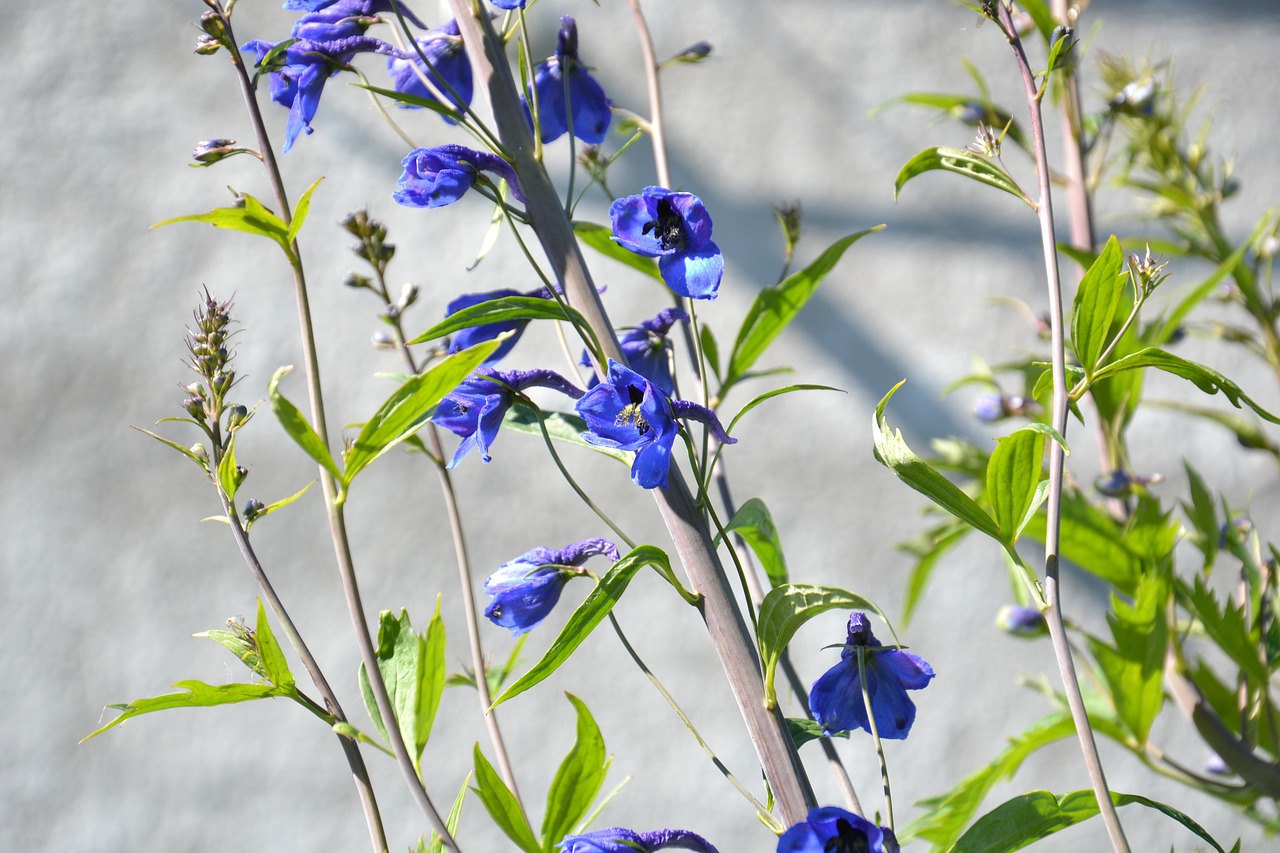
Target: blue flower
{"points": [[475, 409], [834, 830], [620, 840], [525, 590], [1021, 621], [443, 49], [487, 332], [587, 104], [836, 697], [366, 7], [434, 177], [627, 412], [675, 228], [508, 4], [647, 350]]}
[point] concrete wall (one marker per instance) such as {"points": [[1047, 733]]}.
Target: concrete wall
{"points": [[106, 573]]}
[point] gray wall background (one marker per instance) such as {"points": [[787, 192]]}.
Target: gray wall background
{"points": [[106, 572]]}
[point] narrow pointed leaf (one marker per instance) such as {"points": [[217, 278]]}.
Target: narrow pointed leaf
{"points": [[300, 211], [275, 666], [1205, 378], [962, 162], [560, 426], [1013, 475], [1097, 299], [754, 524], [502, 805], [413, 100], [578, 780], [600, 238], [278, 505], [227, 470], [451, 822], [253, 218], [297, 426], [196, 694], [178, 447], [431, 676], [500, 310]]}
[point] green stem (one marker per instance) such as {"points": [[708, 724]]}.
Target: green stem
{"points": [[875, 734]]}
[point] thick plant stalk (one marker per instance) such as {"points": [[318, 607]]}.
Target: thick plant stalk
{"points": [[1057, 632], [692, 542]]}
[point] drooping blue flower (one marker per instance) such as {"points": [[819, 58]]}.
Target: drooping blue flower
{"points": [[628, 412], [675, 228], [836, 697], [508, 4], [620, 840], [648, 350], [834, 830], [434, 177], [479, 334], [475, 409], [367, 7], [525, 590], [587, 104], [443, 49]]}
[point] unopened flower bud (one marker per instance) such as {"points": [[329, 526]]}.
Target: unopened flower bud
{"points": [[790, 218], [194, 407], [213, 25], [206, 45], [693, 53], [210, 151], [381, 340], [357, 281], [1021, 621], [1116, 484], [1240, 528], [408, 296], [989, 408], [222, 382], [237, 416], [252, 509], [392, 314], [200, 452], [240, 474]]}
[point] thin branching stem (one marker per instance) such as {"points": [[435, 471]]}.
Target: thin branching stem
{"points": [[655, 96], [337, 521], [1062, 650], [875, 734]]}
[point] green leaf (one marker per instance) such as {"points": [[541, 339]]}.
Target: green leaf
{"points": [[240, 642], [1226, 625], [755, 525], [894, 453], [561, 427], [431, 676], [775, 307], [1059, 52], [963, 162], [962, 107], [196, 694], [451, 822], [1247, 431], [803, 731], [413, 670], [589, 614], [297, 427], [227, 471], [1030, 817], [252, 218], [1203, 516], [1094, 309], [178, 447], [944, 817], [275, 668], [711, 350], [413, 100], [300, 211], [407, 409], [600, 238], [276, 505], [929, 547], [774, 393], [501, 310], [578, 780], [1205, 378], [785, 609], [1042, 16], [1093, 541], [502, 805], [1013, 475], [1134, 667]]}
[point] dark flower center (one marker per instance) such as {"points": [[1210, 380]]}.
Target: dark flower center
{"points": [[668, 227], [631, 412], [849, 840]]}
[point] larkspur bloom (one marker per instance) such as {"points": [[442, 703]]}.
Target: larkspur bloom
{"points": [[1021, 621], [834, 830], [620, 840], [836, 697], [367, 7], [434, 177], [628, 412], [479, 334], [675, 228], [562, 75], [508, 4], [443, 49], [475, 409], [647, 350], [526, 589]]}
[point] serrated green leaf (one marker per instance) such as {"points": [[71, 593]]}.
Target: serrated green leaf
{"points": [[785, 609], [892, 451], [561, 427], [961, 161], [1030, 817], [504, 309], [297, 426], [300, 211], [1226, 625], [1203, 516], [1094, 309], [803, 731], [407, 409], [1205, 378], [775, 307], [600, 238], [578, 780], [1134, 667], [275, 667], [589, 614], [197, 695], [502, 805], [252, 218], [1013, 476], [754, 524]]}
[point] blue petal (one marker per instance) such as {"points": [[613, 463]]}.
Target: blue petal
{"points": [[836, 699], [523, 607], [911, 671], [695, 274], [591, 112], [549, 88], [630, 215], [652, 463], [894, 710]]}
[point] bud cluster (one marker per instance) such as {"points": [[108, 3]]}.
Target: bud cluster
{"points": [[210, 348]]}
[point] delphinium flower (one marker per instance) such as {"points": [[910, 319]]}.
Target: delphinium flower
{"points": [[675, 228], [367, 7], [836, 697], [647, 349], [443, 49], [487, 332], [475, 409], [834, 830], [620, 840], [508, 4], [1021, 621], [434, 177], [562, 75], [628, 412], [525, 590]]}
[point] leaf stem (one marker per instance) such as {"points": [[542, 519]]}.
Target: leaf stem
{"points": [[875, 733]]}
